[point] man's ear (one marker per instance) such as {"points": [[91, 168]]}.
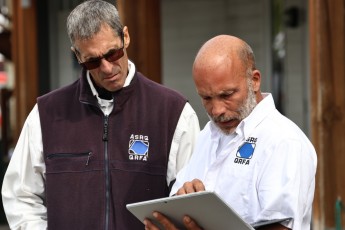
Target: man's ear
{"points": [[256, 78], [126, 36]]}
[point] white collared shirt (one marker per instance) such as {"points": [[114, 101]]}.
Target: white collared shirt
{"points": [[23, 191], [265, 171]]}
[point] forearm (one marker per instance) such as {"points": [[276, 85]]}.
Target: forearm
{"points": [[183, 141], [23, 185], [23, 202]]}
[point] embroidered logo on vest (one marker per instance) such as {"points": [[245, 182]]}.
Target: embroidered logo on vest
{"points": [[138, 149], [245, 151]]}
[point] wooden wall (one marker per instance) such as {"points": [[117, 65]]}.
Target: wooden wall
{"points": [[143, 21], [24, 53], [327, 77]]}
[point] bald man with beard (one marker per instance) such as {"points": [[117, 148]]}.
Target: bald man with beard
{"points": [[256, 159]]}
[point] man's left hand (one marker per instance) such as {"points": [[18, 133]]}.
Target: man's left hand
{"points": [[188, 222]]}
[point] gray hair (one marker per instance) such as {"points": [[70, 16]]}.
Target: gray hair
{"points": [[247, 56], [87, 18]]}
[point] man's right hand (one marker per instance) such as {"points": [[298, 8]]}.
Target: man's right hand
{"points": [[195, 185]]}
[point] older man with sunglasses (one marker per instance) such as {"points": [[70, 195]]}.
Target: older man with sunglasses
{"points": [[110, 138]]}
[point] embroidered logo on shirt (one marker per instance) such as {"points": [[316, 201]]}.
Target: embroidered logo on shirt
{"points": [[245, 151], [138, 149]]}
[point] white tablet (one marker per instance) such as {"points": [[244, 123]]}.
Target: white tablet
{"points": [[206, 208]]}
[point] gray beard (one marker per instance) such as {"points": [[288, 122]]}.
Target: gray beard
{"points": [[245, 109], [248, 105]]}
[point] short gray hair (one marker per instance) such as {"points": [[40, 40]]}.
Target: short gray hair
{"points": [[247, 56], [87, 18]]}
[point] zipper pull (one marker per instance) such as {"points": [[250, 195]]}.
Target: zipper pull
{"points": [[88, 158]]}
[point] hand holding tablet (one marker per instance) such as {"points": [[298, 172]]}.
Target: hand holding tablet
{"points": [[206, 208]]}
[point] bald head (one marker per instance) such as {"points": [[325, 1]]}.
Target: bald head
{"points": [[225, 48]]}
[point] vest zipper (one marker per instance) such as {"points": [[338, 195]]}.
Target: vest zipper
{"points": [[107, 177]]}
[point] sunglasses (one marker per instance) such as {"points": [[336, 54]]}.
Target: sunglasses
{"points": [[111, 56]]}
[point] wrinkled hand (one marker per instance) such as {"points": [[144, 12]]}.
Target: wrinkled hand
{"points": [[195, 185], [188, 222]]}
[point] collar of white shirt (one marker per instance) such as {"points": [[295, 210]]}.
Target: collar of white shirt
{"points": [[247, 125], [107, 105]]}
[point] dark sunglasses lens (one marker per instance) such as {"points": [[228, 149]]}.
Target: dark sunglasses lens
{"points": [[111, 57], [115, 56], [91, 64]]}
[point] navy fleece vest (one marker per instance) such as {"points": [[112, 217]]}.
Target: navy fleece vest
{"points": [[97, 164]]}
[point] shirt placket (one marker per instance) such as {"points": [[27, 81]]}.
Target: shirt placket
{"points": [[229, 150]]}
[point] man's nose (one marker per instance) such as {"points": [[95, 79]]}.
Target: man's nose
{"points": [[218, 108], [106, 66]]}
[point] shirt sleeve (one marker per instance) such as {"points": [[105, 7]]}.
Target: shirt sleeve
{"points": [[183, 141], [23, 185], [287, 185]]}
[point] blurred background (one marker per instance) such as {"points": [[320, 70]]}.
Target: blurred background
{"points": [[299, 47]]}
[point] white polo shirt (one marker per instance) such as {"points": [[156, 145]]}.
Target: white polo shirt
{"points": [[266, 170]]}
